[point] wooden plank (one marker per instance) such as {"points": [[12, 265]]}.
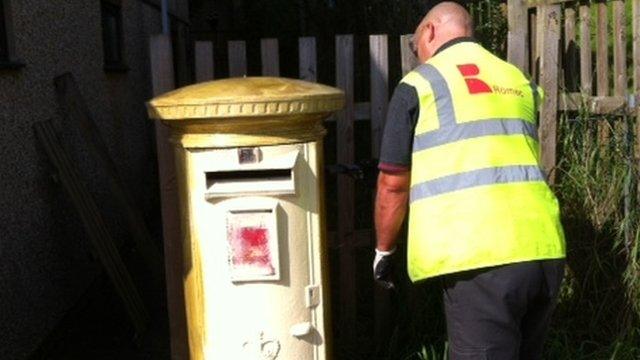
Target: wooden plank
{"points": [[534, 64], [100, 240], [598, 105], [346, 189], [237, 58], [76, 111], [379, 87], [602, 50], [570, 50], [160, 55], [586, 66], [619, 48], [307, 59], [537, 3], [408, 60], [517, 33], [549, 38], [204, 60], [270, 57], [379, 77], [602, 63]]}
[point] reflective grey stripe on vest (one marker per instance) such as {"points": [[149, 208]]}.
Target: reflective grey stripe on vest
{"points": [[450, 131], [474, 129], [480, 177], [441, 94]]}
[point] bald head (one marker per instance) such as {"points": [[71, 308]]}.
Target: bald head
{"points": [[445, 21]]}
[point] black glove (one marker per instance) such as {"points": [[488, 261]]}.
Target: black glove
{"points": [[383, 272]]}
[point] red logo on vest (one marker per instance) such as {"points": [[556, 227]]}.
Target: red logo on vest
{"points": [[475, 85]]}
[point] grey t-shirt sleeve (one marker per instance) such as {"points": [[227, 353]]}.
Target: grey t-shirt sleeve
{"points": [[397, 137]]}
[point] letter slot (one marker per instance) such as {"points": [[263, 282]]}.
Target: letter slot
{"points": [[275, 176]]}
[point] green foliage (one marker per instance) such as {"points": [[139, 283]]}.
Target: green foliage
{"points": [[598, 316], [491, 25]]}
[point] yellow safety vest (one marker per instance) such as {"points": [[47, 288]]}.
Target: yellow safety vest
{"points": [[479, 197]]}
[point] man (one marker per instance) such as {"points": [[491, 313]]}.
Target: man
{"points": [[460, 148]]}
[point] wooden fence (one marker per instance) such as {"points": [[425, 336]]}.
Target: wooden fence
{"points": [[557, 41], [552, 40]]}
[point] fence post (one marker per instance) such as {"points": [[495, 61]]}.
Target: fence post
{"points": [[270, 57], [407, 58], [586, 83], [517, 35], [345, 155], [379, 75], [237, 58], [307, 57], [204, 60], [162, 81], [548, 40]]}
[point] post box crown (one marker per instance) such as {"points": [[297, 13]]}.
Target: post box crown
{"points": [[246, 97]]}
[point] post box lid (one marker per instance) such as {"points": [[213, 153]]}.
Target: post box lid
{"points": [[246, 97]]}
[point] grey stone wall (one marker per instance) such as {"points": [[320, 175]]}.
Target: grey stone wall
{"points": [[45, 261]]}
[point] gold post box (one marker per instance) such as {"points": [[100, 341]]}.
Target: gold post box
{"points": [[249, 167]]}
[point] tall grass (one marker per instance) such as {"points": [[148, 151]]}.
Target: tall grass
{"points": [[598, 315]]}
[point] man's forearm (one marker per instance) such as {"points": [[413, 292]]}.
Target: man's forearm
{"points": [[391, 208]]}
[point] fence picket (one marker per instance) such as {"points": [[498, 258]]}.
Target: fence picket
{"points": [[586, 82], [307, 58], [270, 57], [548, 39], [619, 49], [379, 72], [602, 63], [517, 35], [203, 60], [570, 50], [408, 60], [602, 50], [345, 155], [533, 45], [237, 58]]}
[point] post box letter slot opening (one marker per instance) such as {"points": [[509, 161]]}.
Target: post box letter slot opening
{"points": [[274, 177]]}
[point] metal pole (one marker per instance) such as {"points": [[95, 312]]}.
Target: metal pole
{"points": [[165, 17]]}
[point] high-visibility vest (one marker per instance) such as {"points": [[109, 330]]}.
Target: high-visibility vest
{"points": [[479, 197]]}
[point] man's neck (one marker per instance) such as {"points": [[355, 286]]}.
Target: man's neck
{"points": [[453, 41]]}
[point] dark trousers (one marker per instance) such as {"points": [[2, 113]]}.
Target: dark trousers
{"points": [[501, 312]]}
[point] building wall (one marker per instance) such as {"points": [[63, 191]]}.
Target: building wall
{"points": [[45, 260]]}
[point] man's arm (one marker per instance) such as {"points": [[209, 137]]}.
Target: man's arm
{"points": [[391, 207]]}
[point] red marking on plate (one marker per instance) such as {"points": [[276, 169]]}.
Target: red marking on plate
{"points": [[253, 247]]}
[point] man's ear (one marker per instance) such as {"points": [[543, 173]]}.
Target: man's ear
{"points": [[430, 32]]}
